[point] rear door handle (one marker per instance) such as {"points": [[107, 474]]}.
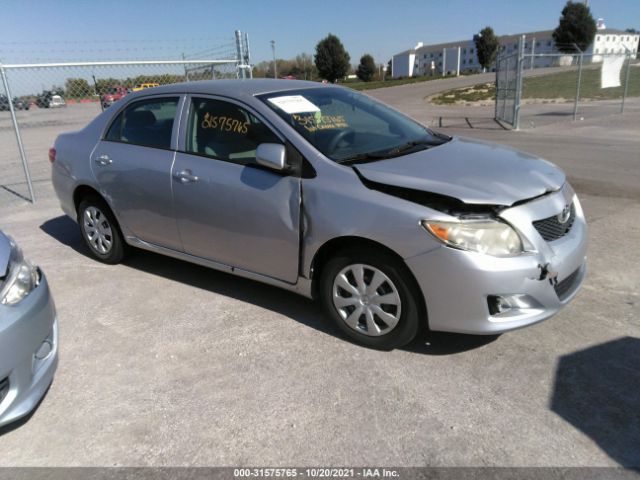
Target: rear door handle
{"points": [[185, 176], [103, 160]]}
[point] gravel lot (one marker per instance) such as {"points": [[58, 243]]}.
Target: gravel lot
{"points": [[167, 363]]}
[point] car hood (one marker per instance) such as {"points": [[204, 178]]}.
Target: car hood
{"points": [[473, 171], [5, 253]]}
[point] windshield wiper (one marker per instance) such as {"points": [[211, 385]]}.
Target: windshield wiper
{"points": [[409, 147], [363, 158], [412, 146]]}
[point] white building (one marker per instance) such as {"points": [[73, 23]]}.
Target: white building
{"points": [[609, 41], [460, 57]]}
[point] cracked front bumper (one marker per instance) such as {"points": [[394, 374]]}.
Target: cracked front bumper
{"points": [[458, 286]]}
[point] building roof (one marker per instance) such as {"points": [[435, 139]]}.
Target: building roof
{"points": [[615, 31], [536, 35]]}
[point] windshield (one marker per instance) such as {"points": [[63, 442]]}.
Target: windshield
{"points": [[350, 127]]}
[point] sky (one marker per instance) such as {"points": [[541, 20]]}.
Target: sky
{"points": [[65, 30]]}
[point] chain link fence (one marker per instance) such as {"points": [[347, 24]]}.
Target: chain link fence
{"points": [[40, 101], [585, 86], [574, 87], [506, 88]]}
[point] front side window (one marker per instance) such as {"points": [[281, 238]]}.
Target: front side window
{"points": [[347, 126], [225, 131], [148, 123]]}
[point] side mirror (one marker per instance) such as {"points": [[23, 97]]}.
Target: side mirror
{"points": [[271, 155]]}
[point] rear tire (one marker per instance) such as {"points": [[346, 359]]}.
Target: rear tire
{"points": [[100, 230], [372, 298]]}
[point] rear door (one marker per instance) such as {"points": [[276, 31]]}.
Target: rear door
{"points": [[229, 209], [132, 165]]}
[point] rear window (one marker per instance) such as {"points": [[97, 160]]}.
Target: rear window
{"points": [[147, 123]]}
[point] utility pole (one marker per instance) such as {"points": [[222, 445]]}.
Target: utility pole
{"points": [[273, 49]]}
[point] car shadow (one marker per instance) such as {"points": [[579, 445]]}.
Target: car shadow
{"points": [[296, 307], [597, 390], [65, 231], [443, 343]]}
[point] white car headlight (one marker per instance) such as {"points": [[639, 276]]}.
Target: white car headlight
{"points": [[484, 236], [22, 277]]}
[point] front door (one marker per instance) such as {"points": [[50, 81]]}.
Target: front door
{"points": [[132, 165], [229, 209]]}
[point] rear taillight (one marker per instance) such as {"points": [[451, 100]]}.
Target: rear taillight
{"points": [[52, 155]]}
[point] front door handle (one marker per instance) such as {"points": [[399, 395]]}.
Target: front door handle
{"points": [[185, 176], [103, 160]]}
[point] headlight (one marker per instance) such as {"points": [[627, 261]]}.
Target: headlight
{"points": [[484, 236], [22, 277]]}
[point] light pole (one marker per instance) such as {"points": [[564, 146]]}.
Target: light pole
{"points": [[273, 49]]}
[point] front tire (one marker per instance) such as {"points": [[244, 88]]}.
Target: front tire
{"points": [[371, 297], [100, 230]]}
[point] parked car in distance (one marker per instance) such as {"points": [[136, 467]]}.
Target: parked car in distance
{"points": [[326, 192], [18, 104], [57, 101], [48, 99], [21, 104], [112, 95], [4, 103], [143, 86], [28, 333]]}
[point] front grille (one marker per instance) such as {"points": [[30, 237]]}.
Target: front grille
{"points": [[4, 388], [551, 229], [565, 286]]}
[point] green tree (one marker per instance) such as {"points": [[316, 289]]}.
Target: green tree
{"points": [[77, 88], [304, 63], [331, 58], [367, 68], [486, 47], [576, 27]]}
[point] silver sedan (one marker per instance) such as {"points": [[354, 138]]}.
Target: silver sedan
{"points": [[328, 193], [28, 333]]}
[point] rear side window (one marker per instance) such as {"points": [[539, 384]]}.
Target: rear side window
{"points": [[225, 131], [148, 123]]}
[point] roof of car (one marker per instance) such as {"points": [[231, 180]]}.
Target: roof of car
{"points": [[235, 87]]}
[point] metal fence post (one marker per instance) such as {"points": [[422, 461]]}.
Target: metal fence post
{"points": [[575, 106], [518, 96], [495, 114], [505, 89], [626, 82], [533, 52], [16, 129]]}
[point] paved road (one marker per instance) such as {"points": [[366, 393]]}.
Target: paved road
{"points": [[166, 363], [408, 97]]}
